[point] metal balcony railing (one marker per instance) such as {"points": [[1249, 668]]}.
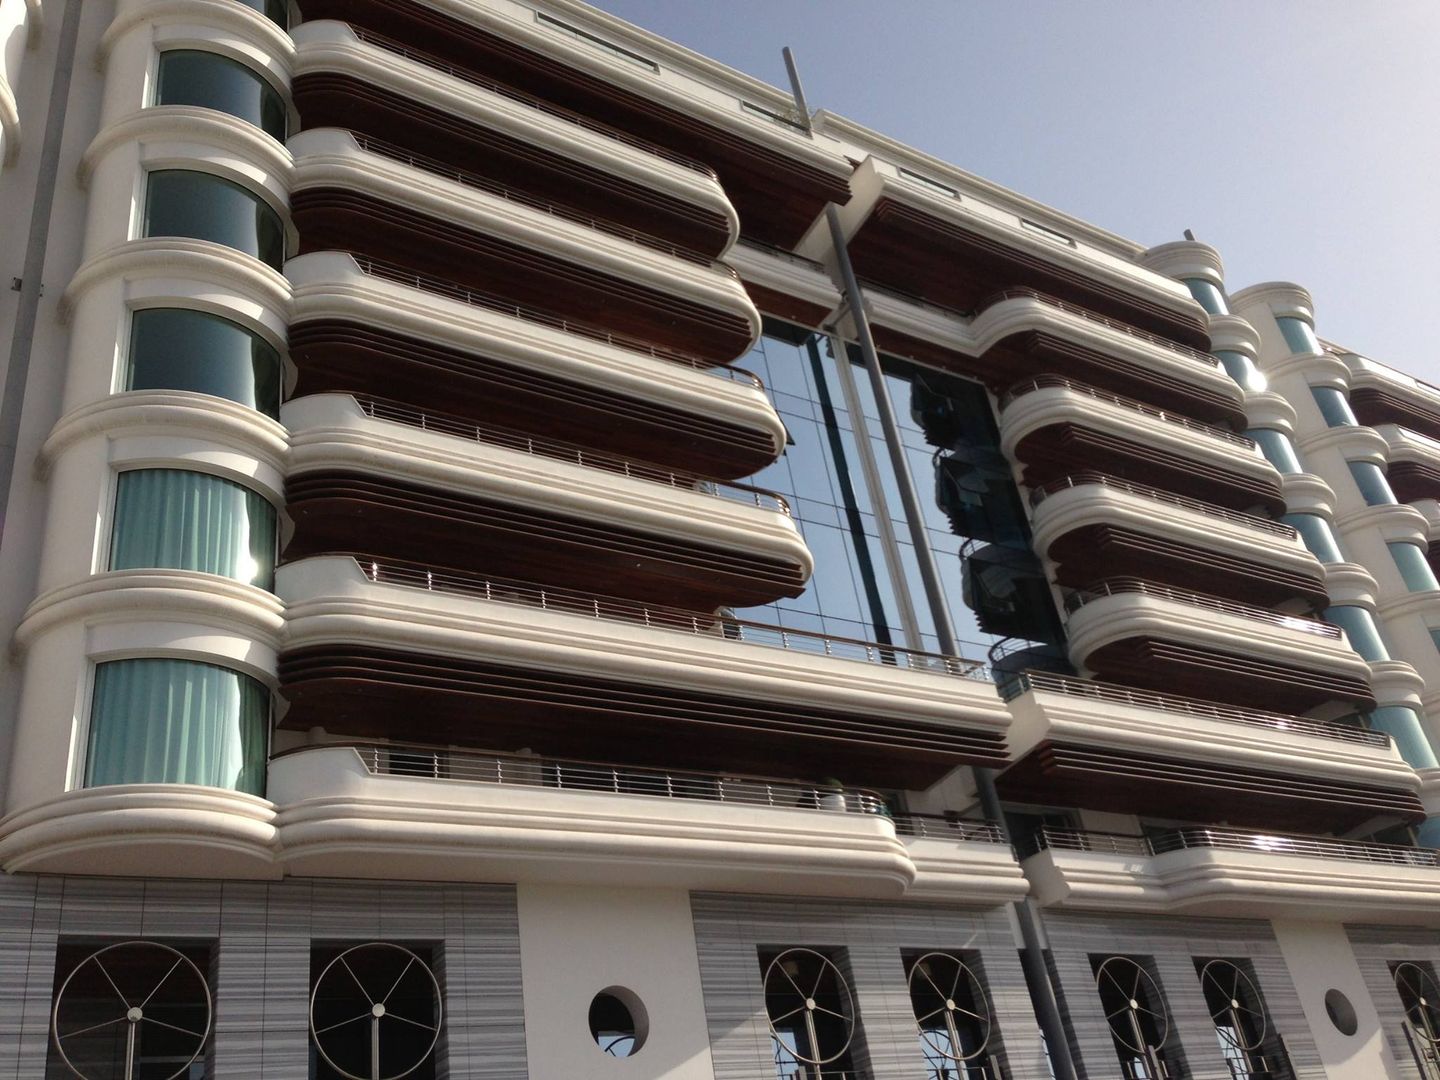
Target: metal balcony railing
{"points": [[1223, 837], [1049, 683], [1022, 293], [707, 624], [938, 827], [914, 299], [536, 103], [782, 253], [1050, 382], [454, 291], [1119, 586], [532, 202], [1081, 479], [440, 763], [447, 424]]}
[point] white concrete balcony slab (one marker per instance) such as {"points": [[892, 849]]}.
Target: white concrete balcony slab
{"points": [[1367, 374], [1402, 444], [1218, 871], [334, 285], [465, 201], [337, 432], [330, 47]]}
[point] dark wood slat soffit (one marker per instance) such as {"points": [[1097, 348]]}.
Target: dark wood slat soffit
{"points": [[776, 195], [1412, 480], [1373, 406], [430, 526], [379, 693], [1105, 778]]}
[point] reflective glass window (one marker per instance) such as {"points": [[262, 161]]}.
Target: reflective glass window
{"points": [[1403, 725], [277, 11], [167, 721], [1360, 629], [1316, 534], [1242, 369], [182, 202], [186, 520], [1414, 567], [181, 349], [1277, 448], [1208, 295], [1299, 335], [1334, 406], [1370, 479], [212, 81]]}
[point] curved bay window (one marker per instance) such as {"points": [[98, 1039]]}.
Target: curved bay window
{"points": [[212, 81], [1242, 369], [181, 349], [1299, 335], [277, 11], [1208, 295], [1402, 723], [182, 520], [203, 206], [169, 721]]}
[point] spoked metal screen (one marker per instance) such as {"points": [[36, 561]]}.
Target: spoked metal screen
{"points": [[1242, 1025], [952, 1016], [811, 1015], [1136, 1014], [375, 1013], [1420, 995]]}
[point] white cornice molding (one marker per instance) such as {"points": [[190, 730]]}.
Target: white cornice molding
{"points": [[1182, 259], [211, 14], [157, 124], [1281, 297]]}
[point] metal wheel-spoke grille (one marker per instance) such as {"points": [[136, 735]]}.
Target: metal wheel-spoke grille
{"points": [[1421, 997], [375, 1012], [808, 1004], [1132, 1000], [1234, 1004], [130, 1006], [952, 1012]]}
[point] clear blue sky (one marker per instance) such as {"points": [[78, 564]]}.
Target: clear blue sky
{"points": [[1299, 137]]}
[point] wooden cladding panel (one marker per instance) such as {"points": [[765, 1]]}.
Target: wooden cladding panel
{"points": [[334, 356], [1374, 406], [1058, 450], [1117, 781], [1241, 679], [776, 195], [331, 100], [1093, 552], [943, 261], [332, 219], [337, 511], [377, 693], [1412, 480]]}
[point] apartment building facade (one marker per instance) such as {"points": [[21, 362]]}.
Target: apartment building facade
{"points": [[526, 555]]}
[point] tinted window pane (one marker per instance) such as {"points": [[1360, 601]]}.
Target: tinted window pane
{"points": [[1370, 479], [179, 202], [1359, 626], [1403, 725], [1414, 567], [1299, 334], [180, 349], [217, 82], [1334, 406], [277, 11], [1277, 448], [1316, 534], [1242, 369], [1208, 296]]}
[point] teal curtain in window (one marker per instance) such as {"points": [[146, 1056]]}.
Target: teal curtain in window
{"points": [[182, 520], [1242, 369], [161, 721], [1207, 295], [1316, 534], [1334, 406], [1299, 335], [1403, 725]]}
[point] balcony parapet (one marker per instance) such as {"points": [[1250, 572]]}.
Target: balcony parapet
{"points": [[1122, 586], [1051, 382], [1193, 355], [1083, 478]]}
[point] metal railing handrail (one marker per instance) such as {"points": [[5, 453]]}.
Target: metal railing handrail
{"points": [[492, 187], [444, 763], [940, 827], [539, 104], [1117, 586], [707, 624], [780, 252], [1051, 682], [1024, 293], [1189, 837], [448, 424], [915, 299], [475, 298], [1078, 479], [1048, 382]]}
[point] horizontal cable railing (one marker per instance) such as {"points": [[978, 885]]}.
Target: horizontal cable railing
{"points": [[1223, 837], [1051, 683], [1080, 479], [536, 103], [1050, 382], [454, 291], [938, 827], [447, 424], [707, 624], [1118, 586], [782, 253], [503, 191], [914, 299], [1021, 293], [439, 763]]}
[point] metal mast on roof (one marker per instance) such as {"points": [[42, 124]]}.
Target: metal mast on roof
{"points": [[1027, 913]]}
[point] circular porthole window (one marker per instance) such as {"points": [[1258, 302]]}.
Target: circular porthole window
{"points": [[618, 1022], [1341, 1012]]}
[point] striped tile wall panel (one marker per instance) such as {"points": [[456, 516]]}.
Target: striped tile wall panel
{"points": [[869, 939], [1376, 948]]}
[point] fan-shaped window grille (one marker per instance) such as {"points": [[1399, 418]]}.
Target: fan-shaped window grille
{"points": [[133, 1010], [375, 1013], [1420, 995], [1241, 1024], [1135, 1011], [811, 1015], [952, 1016]]}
